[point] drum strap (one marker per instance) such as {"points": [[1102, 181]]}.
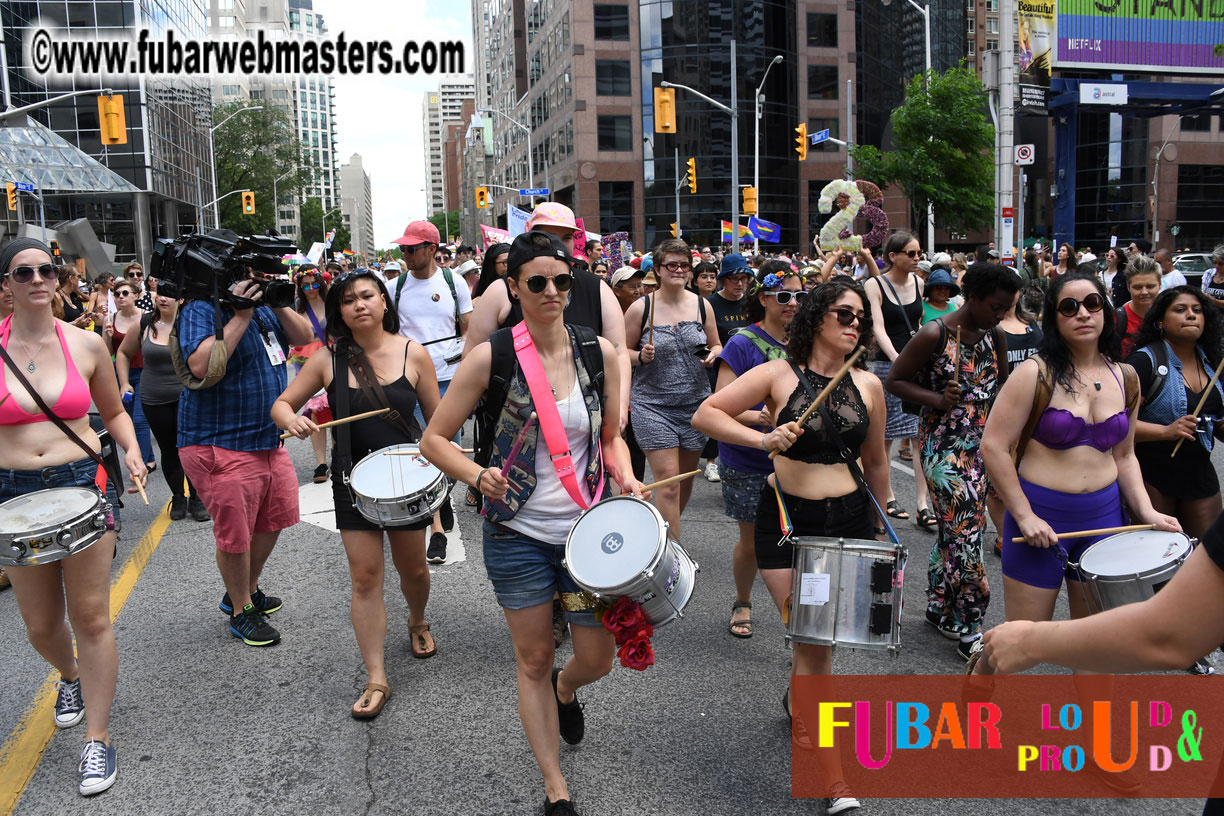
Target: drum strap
{"points": [[550, 418], [344, 439]]}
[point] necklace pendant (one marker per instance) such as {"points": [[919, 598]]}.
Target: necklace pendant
{"points": [[1098, 385], [30, 368]]}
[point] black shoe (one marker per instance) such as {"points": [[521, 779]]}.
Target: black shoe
{"points": [[559, 626], [252, 628], [264, 604], [320, 474], [937, 620], [569, 716], [435, 553], [842, 802], [1201, 666], [178, 508], [446, 515], [561, 807], [197, 510], [967, 650]]}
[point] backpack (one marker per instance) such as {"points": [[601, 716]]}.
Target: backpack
{"points": [[450, 281], [1160, 371], [768, 350]]}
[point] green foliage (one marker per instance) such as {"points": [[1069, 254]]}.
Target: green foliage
{"points": [[312, 228], [943, 151], [438, 221], [254, 149]]}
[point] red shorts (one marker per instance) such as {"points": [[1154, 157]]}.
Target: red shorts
{"points": [[246, 492]]}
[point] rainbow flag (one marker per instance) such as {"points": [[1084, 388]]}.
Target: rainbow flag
{"points": [[726, 231], [350, 253]]}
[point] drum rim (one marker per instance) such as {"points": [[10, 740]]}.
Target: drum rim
{"points": [[99, 502], [660, 546]]}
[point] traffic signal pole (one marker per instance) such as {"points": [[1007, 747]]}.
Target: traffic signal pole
{"points": [[679, 230]]}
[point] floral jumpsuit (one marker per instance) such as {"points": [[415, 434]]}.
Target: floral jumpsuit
{"points": [[952, 463]]}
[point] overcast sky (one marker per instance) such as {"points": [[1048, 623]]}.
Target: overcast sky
{"points": [[380, 116]]}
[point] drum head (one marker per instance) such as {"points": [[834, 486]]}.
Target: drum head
{"points": [[45, 508], [614, 542], [1134, 553], [379, 476]]}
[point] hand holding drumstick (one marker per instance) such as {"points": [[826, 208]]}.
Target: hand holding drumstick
{"points": [[782, 437]]}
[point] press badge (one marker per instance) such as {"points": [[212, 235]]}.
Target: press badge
{"points": [[276, 354]]}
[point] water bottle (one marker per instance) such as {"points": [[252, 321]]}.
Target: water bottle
{"points": [[127, 400]]}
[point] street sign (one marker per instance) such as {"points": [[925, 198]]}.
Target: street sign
{"points": [[22, 185], [1024, 154], [534, 191], [818, 137]]}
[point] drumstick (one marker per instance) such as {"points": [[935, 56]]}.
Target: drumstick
{"points": [[956, 359], [353, 418], [670, 480], [828, 389], [1206, 392], [140, 487], [410, 453], [1130, 528], [650, 304], [514, 449]]}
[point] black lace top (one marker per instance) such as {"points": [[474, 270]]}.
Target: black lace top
{"points": [[845, 405]]}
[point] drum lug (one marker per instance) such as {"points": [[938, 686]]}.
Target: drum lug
{"points": [[99, 521], [64, 539]]}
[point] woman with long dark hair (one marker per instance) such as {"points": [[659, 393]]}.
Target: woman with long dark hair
{"points": [[1068, 414], [70, 297], [1113, 269], [310, 299], [1068, 260], [492, 268], [123, 322], [362, 332]]}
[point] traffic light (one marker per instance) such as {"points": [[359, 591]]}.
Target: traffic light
{"points": [[750, 204], [55, 250], [665, 110], [248, 203], [12, 195], [801, 143], [675, 229], [482, 197], [111, 121], [692, 175]]}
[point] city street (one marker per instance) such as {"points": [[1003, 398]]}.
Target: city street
{"points": [[204, 725]]}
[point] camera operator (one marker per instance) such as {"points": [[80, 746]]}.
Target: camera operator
{"points": [[230, 447]]}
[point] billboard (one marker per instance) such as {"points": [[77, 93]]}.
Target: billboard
{"points": [[1035, 41], [1178, 36]]}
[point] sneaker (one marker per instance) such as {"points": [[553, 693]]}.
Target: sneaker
{"points": [[569, 715], [97, 768], [968, 649], [320, 474], [446, 515], [178, 508], [842, 801], [69, 704], [1201, 667], [264, 604], [253, 628], [938, 621], [561, 807], [197, 510], [435, 553], [711, 472], [559, 626]]}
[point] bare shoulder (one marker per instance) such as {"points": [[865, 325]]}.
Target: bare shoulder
{"points": [[864, 380]]}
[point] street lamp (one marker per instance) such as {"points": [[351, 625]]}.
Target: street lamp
{"points": [[212, 155], [276, 198], [522, 127], [756, 153], [1156, 182]]}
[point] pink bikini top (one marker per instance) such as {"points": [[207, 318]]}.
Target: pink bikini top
{"points": [[73, 402], [1060, 429]]}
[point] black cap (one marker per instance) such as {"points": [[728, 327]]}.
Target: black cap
{"points": [[526, 247]]}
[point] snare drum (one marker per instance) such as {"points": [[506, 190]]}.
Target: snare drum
{"points": [[48, 525], [1130, 567], [392, 491], [622, 548], [847, 592]]}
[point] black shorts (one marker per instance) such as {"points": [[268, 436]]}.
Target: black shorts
{"points": [[847, 516], [347, 517]]}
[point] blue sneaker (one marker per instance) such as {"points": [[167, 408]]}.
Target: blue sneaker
{"points": [[69, 705], [264, 604], [98, 769], [253, 628]]}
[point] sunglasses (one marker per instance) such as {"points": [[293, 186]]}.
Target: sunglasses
{"points": [[1069, 307], [306, 287], [676, 266], [538, 283], [135, 273], [846, 317], [25, 274], [123, 293], [785, 296], [913, 253]]}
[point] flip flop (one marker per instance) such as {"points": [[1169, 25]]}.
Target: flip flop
{"points": [[418, 636], [894, 510], [367, 694], [746, 623]]}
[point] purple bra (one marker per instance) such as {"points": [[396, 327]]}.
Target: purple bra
{"points": [[1059, 429]]}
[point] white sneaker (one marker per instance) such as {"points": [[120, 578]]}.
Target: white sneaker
{"points": [[97, 768], [842, 801], [711, 472]]}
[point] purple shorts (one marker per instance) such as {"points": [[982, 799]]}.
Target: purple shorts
{"points": [[1045, 567]]}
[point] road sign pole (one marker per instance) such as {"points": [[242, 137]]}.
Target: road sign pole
{"points": [[42, 212]]}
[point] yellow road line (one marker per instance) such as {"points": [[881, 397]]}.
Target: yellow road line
{"points": [[23, 750]]}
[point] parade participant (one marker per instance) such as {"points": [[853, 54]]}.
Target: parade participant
{"points": [[651, 282], [1169, 276], [627, 286], [101, 300], [669, 378], [600, 269], [67, 368], [364, 342], [6, 309], [434, 310], [441, 256], [469, 270], [1114, 269], [492, 268], [1068, 414], [123, 322], [940, 289], [896, 297], [954, 368], [310, 300], [813, 484], [704, 283], [594, 251], [160, 390], [133, 273], [231, 449], [391, 271], [1068, 259], [1213, 279], [729, 303], [1143, 283], [530, 513], [70, 298], [743, 470]]}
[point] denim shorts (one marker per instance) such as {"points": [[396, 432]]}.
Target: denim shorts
{"points": [[741, 492], [527, 572], [80, 473]]}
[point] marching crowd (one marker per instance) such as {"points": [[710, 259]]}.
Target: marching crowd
{"points": [[1047, 398]]}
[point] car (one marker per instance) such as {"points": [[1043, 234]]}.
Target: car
{"points": [[1193, 265]]}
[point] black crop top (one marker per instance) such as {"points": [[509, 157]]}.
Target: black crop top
{"points": [[845, 405]]}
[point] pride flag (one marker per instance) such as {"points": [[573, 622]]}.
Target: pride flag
{"points": [[766, 231], [726, 231]]}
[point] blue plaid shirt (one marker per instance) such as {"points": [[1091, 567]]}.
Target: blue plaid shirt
{"points": [[235, 413]]}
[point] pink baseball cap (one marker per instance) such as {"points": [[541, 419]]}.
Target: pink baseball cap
{"points": [[550, 214], [419, 232]]}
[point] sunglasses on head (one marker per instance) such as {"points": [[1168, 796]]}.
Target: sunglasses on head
{"points": [[785, 296], [1069, 307], [25, 274], [846, 317], [538, 283]]}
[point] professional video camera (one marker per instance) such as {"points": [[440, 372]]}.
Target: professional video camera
{"points": [[204, 266]]}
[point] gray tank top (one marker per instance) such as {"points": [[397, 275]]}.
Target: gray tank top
{"points": [[676, 377], [159, 385]]}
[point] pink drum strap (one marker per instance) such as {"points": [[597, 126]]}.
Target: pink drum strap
{"points": [[550, 417]]}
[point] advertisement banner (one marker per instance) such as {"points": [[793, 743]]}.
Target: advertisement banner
{"points": [[1113, 35], [1035, 27]]}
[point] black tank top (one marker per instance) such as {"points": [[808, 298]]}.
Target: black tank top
{"points": [[369, 435], [893, 316], [583, 308]]}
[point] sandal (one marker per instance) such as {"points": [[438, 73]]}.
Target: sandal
{"points": [[367, 695], [926, 520], [894, 510], [746, 623], [418, 637], [472, 499], [999, 547]]}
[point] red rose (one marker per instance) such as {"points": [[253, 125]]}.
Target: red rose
{"points": [[636, 654], [624, 616]]}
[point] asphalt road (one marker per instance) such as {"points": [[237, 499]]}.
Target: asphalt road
{"points": [[203, 724]]}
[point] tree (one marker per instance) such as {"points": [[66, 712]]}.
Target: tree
{"points": [[440, 222], [253, 149], [312, 229], [943, 151]]}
